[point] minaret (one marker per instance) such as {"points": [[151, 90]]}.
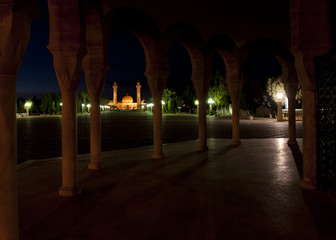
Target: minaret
{"points": [[115, 100], [138, 86]]}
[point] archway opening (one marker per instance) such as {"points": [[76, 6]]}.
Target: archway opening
{"points": [[257, 69], [219, 100], [179, 81], [127, 65]]}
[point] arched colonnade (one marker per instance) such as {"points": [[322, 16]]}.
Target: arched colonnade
{"points": [[78, 39]]}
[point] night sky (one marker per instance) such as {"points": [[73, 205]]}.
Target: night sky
{"points": [[127, 65]]}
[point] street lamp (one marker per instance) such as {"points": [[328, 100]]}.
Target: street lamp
{"points": [[88, 106], [163, 103], [197, 103], [150, 106], [279, 97], [83, 105], [210, 101], [27, 105]]}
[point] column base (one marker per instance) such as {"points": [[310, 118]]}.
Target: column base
{"points": [[236, 143], [93, 166], [308, 184], [202, 148], [292, 142], [69, 191], [156, 156]]}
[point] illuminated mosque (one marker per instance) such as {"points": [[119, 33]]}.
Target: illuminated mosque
{"points": [[127, 101]]}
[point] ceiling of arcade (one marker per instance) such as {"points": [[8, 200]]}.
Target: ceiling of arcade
{"points": [[241, 20]]}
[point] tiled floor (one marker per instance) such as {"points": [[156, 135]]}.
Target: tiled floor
{"points": [[246, 192]]}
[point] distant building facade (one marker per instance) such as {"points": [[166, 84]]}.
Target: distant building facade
{"points": [[127, 101]]}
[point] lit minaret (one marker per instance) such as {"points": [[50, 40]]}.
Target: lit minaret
{"points": [[115, 100], [138, 86]]}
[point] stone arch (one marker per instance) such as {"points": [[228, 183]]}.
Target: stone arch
{"points": [[141, 26], [285, 58], [193, 42], [228, 50], [149, 35], [15, 21], [270, 46]]}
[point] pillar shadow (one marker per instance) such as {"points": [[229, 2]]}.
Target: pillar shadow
{"points": [[298, 158], [223, 151]]}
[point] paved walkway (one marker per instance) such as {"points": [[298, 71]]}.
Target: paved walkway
{"points": [[246, 192]]}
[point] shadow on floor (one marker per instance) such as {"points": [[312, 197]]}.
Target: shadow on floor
{"points": [[321, 204], [298, 158]]}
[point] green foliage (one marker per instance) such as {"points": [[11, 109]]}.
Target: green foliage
{"points": [[20, 105], [189, 97], [275, 86], [84, 99], [298, 96], [50, 103], [219, 91], [167, 96]]}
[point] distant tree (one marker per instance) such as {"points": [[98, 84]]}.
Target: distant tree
{"points": [[85, 98], [189, 97], [167, 97], [275, 86], [46, 102], [20, 105], [50, 103], [219, 92]]}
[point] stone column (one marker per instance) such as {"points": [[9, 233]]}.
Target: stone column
{"points": [[14, 38], [309, 18], [235, 90], [157, 78], [68, 70], [66, 44], [95, 68], [69, 134], [202, 133], [95, 80], [8, 172], [157, 127], [201, 85]]}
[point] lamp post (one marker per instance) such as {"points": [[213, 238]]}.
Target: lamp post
{"points": [[150, 107], [279, 96], [210, 101], [197, 103], [88, 106], [27, 105], [163, 103]]}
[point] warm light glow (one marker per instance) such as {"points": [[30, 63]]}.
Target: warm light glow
{"points": [[83, 105], [163, 103], [210, 101], [196, 102], [61, 104], [279, 96], [89, 105], [150, 105], [28, 104]]}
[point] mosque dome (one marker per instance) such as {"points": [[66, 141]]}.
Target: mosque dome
{"points": [[127, 99]]}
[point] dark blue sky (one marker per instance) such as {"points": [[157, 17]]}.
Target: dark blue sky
{"points": [[127, 64]]}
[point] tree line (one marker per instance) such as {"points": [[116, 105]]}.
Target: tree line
{"points": [[51, 103]]}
